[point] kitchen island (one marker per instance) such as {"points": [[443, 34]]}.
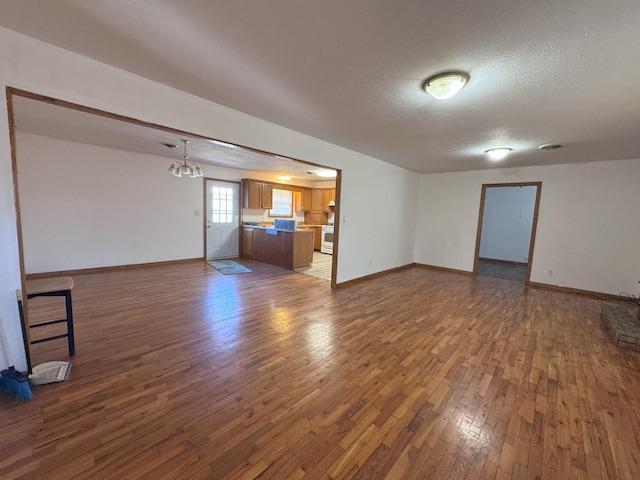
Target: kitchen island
{"points": [[286, 249]]}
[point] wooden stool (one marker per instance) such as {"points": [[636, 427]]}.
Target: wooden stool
{"points": [[54, 287]]}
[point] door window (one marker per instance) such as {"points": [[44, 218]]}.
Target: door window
{"points": [[221, 205]]}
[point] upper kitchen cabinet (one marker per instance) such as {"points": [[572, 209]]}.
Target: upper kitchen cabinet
{"points": [[317, 200], [256, 194], [305, 198], [328, 197]]}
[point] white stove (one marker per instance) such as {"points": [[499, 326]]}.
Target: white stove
{"points": [[326, 246]]}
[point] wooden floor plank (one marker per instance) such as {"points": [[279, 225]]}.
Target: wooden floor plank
{"points": [[181, 372]]}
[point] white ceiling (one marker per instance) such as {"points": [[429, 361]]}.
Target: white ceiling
{"points": [[41, 118], [543, 71]]}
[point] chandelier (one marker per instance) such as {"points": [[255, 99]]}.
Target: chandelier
{"points": [[185, 168]]}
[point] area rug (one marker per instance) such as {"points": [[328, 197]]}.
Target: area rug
{"points": [[228, 267]]}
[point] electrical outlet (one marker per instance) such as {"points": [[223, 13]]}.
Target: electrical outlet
{"points": [[550, 272]]}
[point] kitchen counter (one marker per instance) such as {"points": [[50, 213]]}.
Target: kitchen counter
{"points": [[286, 249]]}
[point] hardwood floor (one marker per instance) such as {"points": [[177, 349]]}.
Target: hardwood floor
{"points": [[183, 373]]}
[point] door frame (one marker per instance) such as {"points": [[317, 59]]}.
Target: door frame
{"points": [[534, 223], [204, 211]]}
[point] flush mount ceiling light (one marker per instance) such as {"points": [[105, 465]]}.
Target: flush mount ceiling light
{"points": [[186, 168], [327, 173], [498, 153], [550, 146], [445, 85], [284, 177], [224, 144]]}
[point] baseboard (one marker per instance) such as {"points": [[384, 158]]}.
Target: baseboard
{"points": [[350, 283], [558, 288], [442, 269], [86, 271]]}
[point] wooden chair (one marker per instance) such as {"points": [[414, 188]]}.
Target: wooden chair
{"points": [[51, 287]]}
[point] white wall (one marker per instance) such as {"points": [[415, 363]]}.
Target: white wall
{"points": [[371, 188], [86, 206], [506, 223], [588, 231]]}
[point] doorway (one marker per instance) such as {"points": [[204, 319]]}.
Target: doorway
{"points": [[222, 221], [506, 230]]}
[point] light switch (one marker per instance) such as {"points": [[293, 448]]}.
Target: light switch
{"points": [[196, 213]]}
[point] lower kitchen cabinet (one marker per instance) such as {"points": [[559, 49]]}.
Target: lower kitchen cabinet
{"points": [[291, 250], [247, 242]]}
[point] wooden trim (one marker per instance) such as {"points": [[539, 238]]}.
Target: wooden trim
{"points": [[350, 283], [578, 291], [513, 184], [508, 262], [443, 269], [94, 111], [16, 195], [534, 224], [476, 253], [113, 268], [336, 231], [534, 228], [123, 118]]}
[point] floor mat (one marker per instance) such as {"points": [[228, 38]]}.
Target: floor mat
{"points": [[228, 267]]}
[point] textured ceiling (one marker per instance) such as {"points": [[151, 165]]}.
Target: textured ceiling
{"points": [[41, 118], [350, 73]]}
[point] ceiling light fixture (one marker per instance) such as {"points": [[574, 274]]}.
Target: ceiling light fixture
{"points": [[284, 177], [551, 146], [445, 85], [327, 173], [224, 144], [498, 153], [186, 168]]}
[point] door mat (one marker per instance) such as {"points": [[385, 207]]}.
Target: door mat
{"points": [[228, 267]]}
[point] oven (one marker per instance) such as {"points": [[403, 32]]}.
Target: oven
{"points": [[326, 246]]}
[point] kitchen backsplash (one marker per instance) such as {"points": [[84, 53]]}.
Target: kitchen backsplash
{"points": [[262, 216]]}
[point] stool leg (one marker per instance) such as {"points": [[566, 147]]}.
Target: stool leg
{"points": [[72, 344]]}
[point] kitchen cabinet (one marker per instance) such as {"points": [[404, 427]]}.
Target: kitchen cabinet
{"points": [[317, 238], [317, 200], [317, 234], [329, 196], [299, 202], [306, 200], [291, 250], [247, 242], [257, 194]]}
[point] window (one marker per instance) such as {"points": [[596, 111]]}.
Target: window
{"points": [[221, 205], [282, 203]]}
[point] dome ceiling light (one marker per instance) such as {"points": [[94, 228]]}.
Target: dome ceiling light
{"points": [[445, 85], [551, 146], [498, 153]]}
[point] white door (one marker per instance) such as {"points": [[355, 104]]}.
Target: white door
{"points": [[223, 219]]}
